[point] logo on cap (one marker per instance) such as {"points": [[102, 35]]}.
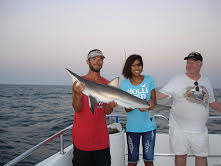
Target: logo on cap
{"points": [[195, 56]]}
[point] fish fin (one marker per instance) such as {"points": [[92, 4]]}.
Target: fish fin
{"points": [[92, 103], [114, 82]]}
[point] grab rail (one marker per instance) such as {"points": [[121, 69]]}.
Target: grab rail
{"points": [[60, 133], [214, 117], [28, 152]]}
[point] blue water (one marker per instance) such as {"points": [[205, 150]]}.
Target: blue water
{"points": [[31, 113]]}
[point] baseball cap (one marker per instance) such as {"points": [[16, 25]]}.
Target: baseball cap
{"points": [[195, 56], [95, 52]]}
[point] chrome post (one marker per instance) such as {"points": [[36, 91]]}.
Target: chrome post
{"points": [[110, 119], [62, 144]]}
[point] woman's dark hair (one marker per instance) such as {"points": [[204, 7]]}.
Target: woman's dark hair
{"points": [[127, 66]]}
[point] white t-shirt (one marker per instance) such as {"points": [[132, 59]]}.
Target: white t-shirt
{"points": [[190, 108]]}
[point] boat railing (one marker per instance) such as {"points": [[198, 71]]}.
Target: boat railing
{"points": [[60, 133], [28, 152]]}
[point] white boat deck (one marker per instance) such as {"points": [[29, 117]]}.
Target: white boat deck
{"points": [[163, 156]]}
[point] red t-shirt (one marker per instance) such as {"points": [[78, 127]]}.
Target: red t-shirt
{"points": [[89, 130]]}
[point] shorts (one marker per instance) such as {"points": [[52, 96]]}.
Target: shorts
{"points": [[133, 144], [91, 158], [182, 142]]}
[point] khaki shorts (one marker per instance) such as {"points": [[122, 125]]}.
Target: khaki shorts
{"points": [[182, 142]]}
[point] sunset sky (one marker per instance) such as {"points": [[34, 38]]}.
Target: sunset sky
{"points": [[40, 38]]}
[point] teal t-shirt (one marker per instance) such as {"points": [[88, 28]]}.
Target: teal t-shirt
{"points": [[138, 121]]}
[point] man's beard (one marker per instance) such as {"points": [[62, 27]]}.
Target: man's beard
{"points": [[93, 69]]}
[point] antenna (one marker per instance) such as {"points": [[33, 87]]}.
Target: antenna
{"points": [[125, 55]]}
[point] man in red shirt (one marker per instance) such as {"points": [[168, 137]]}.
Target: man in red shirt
{"points": [[89, 132]]}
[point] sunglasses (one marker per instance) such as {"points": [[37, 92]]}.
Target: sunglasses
{"points": [[197, 87]]}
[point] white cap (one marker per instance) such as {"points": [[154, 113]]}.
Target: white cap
{"points": [[94, 53]]}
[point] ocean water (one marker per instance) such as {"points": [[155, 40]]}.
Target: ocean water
{"points": [[31, 113]]}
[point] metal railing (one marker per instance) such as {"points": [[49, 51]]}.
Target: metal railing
{"points": [[28, 152], [60, 133], [214, 117]]}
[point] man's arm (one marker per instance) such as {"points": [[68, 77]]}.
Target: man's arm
{"points": [[77, 96], [216, 106], [160, 95]]}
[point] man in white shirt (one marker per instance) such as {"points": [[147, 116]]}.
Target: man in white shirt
{"points": [[192, 95]]}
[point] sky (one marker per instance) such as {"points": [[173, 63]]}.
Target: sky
{"points": [[40, 38]]}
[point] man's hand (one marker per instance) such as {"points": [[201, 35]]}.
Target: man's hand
{"points": [[77, 89], [109, 107], [112, 104]]}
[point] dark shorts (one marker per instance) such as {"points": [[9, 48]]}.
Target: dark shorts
{"points": [[133, 144], [91, 158]]}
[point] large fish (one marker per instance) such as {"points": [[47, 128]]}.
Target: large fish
{"points": [[111, 92]]}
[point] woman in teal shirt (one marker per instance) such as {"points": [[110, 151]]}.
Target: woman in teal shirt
{"points": [[138, 120]]}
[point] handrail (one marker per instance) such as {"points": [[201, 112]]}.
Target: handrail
{"points": [[155, 115], [28, 152], [214, 117], [162, 116], [60, 133]]}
